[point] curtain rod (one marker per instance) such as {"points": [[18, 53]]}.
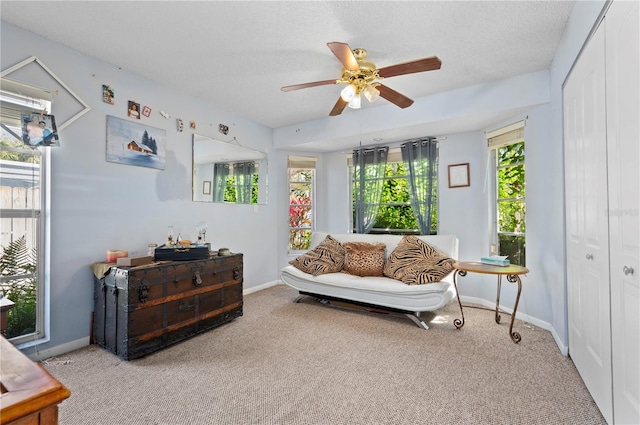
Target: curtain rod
{"points": [[397, 144]]}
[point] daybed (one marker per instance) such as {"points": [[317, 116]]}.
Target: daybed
{"points": [[378, 291]]}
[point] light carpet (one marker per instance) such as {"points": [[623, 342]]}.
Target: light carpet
{"points": [[307, 363]]}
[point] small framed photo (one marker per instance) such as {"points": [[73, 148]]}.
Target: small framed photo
{"points": [[206, 187], [134, 110], [146, 111], [39, 130], [459, 175], [107, 94]]}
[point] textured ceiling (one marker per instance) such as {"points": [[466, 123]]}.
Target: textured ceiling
{"points": [[238, 54]]}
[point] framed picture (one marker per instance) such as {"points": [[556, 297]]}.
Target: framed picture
{"points": [[134, 110], [459, 175], [206, 187], [146, 111], [132, 143], [39, 130], [107, 94]]}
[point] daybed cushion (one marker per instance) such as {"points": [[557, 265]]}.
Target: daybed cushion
{"points": [[364, 259], [415, 262], [327, 257]]}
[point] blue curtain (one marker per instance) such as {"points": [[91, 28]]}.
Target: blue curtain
{"points": [[421, 160], [220, 175], [369, 165], [243, 174]]}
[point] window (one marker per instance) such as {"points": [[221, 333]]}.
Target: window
{"points": [[23, 191], [395, 213], [508, 156], [301, 173]]}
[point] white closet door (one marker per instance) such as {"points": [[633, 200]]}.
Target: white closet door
{"points": [[587, 227], [623, 139]]}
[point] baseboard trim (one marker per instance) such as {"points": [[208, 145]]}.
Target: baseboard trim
{"points": [[519, 315], [261, 287], [564, 349], [58, 350]]}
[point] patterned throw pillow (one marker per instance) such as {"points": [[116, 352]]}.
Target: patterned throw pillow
{"points": [[327, 257], [364, 259], [415, 262]]}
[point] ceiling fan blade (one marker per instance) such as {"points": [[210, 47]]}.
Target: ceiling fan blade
{"points": [[420, 65], [338, 107], [306, 85], [394, 97], [345, 55]]}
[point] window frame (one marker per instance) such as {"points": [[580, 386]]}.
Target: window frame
{"points": [[500, 138], [395, 157], [41, 235], [301, 163]]}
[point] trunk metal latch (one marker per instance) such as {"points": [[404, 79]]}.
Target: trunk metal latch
{"points": [[143, 293], [197, 279]]}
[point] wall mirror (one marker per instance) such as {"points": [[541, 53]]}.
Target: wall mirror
{"points": [[227, 172]]}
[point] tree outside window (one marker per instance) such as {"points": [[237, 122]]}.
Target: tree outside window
{"points": [[395, 215], [300, 208], [231, 192], [510, 202]]}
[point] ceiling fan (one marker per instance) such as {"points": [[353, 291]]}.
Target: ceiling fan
{"points": [[361, 77]]}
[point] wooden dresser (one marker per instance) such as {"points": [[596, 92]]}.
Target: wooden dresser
{"points": [[139, 310], [30, 395]]}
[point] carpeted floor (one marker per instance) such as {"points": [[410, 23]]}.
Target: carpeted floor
{"points": [[308, 363]]}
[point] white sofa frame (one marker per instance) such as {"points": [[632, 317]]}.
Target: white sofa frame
{"points": [[377, 292]]}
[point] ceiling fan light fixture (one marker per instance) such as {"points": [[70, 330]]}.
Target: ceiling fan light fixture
{"points": [[355, 102], [360, 77], [371, 93], [348, 93]]}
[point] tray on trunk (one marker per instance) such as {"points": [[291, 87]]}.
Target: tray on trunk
{"points": [[181, 253]]}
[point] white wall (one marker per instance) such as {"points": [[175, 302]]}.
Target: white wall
{"points": [[98, 205]]}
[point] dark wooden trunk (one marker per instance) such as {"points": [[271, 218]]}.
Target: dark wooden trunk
{"points": [[139, 310]]}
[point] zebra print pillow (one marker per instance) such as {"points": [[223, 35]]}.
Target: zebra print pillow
{"points": [[415, 262], [327, 257]]}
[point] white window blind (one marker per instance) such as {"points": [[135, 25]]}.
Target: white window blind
{"points": [[301, 162], [394, 155], [17, 99], [505, 136]]}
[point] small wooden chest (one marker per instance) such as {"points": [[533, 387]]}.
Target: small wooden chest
{"points": [[139, 310]]}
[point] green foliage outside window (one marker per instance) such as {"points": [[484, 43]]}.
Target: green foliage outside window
{"points": [[18, 263], [395, 215], [18, 260], [16, 156], [231, 194], [511, 202]]}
